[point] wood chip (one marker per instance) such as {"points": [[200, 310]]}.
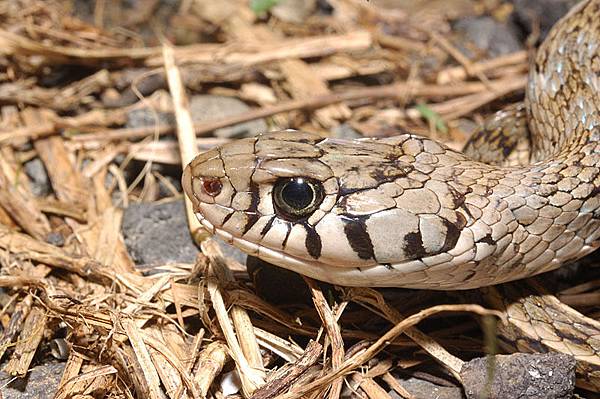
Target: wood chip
{"points": [[29, 338]]}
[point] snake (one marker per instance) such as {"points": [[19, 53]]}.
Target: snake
{"points": [[523, 198]]}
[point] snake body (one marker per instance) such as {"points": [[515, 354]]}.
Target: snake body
{"points": [[407, 211]]}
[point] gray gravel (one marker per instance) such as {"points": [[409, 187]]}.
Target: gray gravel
{"points": [[40, 183], [488, 35], [157, 234], [40, 383], [141, 117], [345, 131], [520, 375], [208, 107], [421, 389]]}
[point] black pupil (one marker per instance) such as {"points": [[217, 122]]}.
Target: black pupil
{"points": [[297, 194]]}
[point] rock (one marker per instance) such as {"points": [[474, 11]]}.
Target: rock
{"points": [[208, 107], [141, 117], [345, 131], [55, 238], [488, 35], [40, 183], [40, 383], [422, 389], [521, 375], [542, 12], [158, 234]]}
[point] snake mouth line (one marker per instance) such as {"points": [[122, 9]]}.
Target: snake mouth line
{"points": [[376, 275]]}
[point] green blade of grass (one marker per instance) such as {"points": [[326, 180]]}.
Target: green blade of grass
{"points": [[432, 117], [260, 6]]}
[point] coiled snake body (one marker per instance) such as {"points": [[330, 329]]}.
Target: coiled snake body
{"points": [[409, 212]]}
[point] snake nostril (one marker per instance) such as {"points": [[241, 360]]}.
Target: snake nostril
{"points": [[212, 186]]}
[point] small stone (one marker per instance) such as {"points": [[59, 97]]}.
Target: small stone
{"points": [[422, 389], [488, 35], [41, 382], [206, 108], [40, 183], [142, 117], [157, 234], [520, 375], [345, 131], [55, 238]]}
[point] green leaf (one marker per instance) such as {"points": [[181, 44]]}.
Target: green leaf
{"points": [[260, 6], [432, 117]]}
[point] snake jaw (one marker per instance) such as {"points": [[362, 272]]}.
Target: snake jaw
{"points": [[376, 276]]}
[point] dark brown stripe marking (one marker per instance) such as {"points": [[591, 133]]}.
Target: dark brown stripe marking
{"points": [[413, 245], [458, 198], [252, 215], [313, 241], [226, 218], [453, 232], [358, 237], [289, 226], [487, 240], [267, 227], [251, 219]]}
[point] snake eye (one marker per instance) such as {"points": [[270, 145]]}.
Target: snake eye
{"points": [[212, 186], [297, 197]]}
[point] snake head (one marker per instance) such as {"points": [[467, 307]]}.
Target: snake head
{"points": [[322, 206], [264, 194]]}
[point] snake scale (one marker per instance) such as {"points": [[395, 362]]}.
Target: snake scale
{"points": [[407, 211]]}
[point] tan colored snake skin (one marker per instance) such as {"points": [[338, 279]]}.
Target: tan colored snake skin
{"points": [[409, 212]]}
